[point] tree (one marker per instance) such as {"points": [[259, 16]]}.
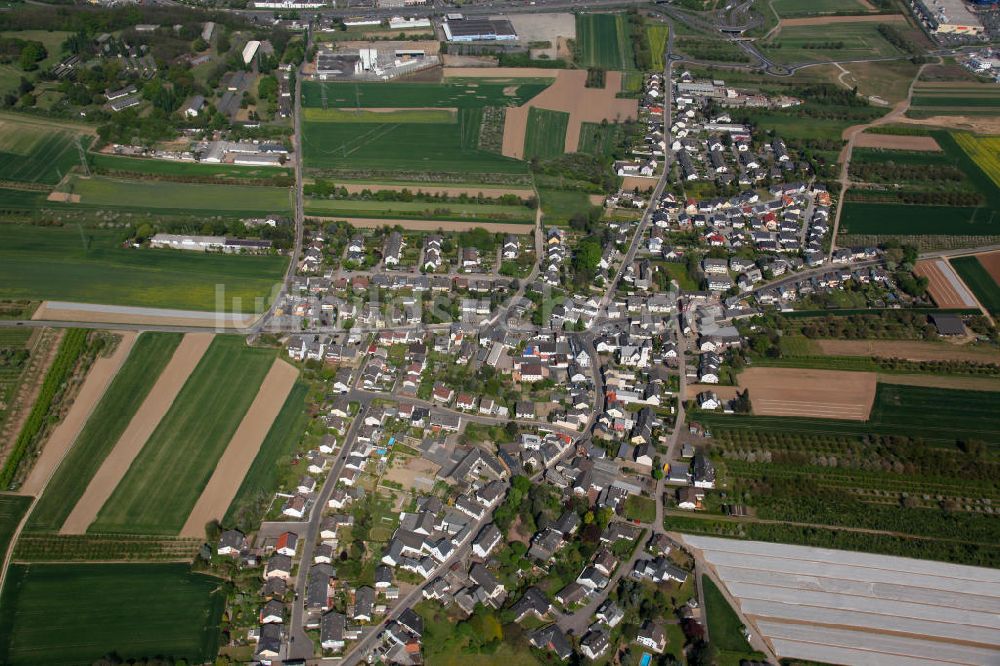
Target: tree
{"points": [[31, 53]]}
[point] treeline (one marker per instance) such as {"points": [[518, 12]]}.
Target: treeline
{"points": [[707, 49], [328, 190], [895, 36], [640, 44], [935, 198], [895, 173], [27, 53], [95, 20], [273, 181], [281, 236]]}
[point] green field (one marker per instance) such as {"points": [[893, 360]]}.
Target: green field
{"points": [[151, 353], [169, 197], [559, 206], [974, 99], [12, 508], [187, 442], [412, 148], [11, 73], [656, 34], [396, 95], [602, 40], [678, 271], [89, 265], [980, 282], [419, 210], [800, 9], [262, 478], [835, 41], [437, 116], [937, 415], [725, 630], [72, 614], [171, 168], [598, 139], [546, 134], [37, 151], [916, 220]]}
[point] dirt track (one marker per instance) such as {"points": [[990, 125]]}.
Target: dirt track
{"points": [[432, 225], [64, 435], [858, 18], [452, 191], [161, 396], [991, 262], [908, 349], [896, 142], [569, 93], [235, 461], [829, 394], [944, 286]]}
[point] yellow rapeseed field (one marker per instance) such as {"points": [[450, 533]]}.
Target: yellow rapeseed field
{"points": [[984, 151]]}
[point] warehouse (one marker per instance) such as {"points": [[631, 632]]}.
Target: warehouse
{"points": [[479, 30], [250, 50], [948, 17]]}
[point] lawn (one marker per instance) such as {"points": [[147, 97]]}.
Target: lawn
{"points": [[598, 139], [89, 265], [262, 478], [546, 135], [938, 415], [116, 163], [678, 271], [560, 206], [105, 192], [725, 630], [800, 9], [37, 152], [71, 614], [187, 442], [10, 74], [398, 95], [409, 148], [835, 41], [640, 508], [980, 282], [917, 220], [151, 353], [419, 210], [602, 40], [12, 508]]}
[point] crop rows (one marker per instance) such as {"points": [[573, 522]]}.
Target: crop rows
{"points": [[105, 547]]}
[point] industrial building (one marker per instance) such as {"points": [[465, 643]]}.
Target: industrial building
{"points": [[460, 29], [948, 17], [250, 50], [208, 243]]}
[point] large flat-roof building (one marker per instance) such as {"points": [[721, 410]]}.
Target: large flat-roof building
{"points": [[479, 30], [948, 17]]}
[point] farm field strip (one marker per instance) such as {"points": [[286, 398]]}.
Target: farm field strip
{"points": [[149, 355], [422, 96], [896, 142], [406, 210], [87, 264], [917, 220], [102, 372], [603, 41], [983, 150], [106, 192], [434, 225], [913, 350], [982, 283], [35, 151], [12, 508], [155, 167], [70, 614], [449, 190], [944, 285], [413, 116], [141, 426], [795, 8], [545, 137], [242, 449], [832, 394], [186, 445]]}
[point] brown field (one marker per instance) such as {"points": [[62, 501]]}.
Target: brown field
{"points": [[235, 461], [161, 396], [570, 94], [449, 190], [64, 435], [945, 287], [991, 262], [912, 350], [111, 314], [827, 394], [975, 124], [896, 142], [941, 381], [431, 225], [429, 47], [414, 474], [857, 18], [63, 197], [641, 183]]}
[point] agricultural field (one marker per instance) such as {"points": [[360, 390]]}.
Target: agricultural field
{"points": [[545, 137], [397, 95], [12, 508], [656, 34], [261, 480], [38, 151], [834, 41], [602, 40], [419, 209], [800, 392], [953, 98], [187, 442], [184, 198], [14, 356], [887, 219], [89, 265], [151, 353], [337, 115], [939, 416], [797, 9], [560, 206], [70, 614], [983, 150], [135, 165], [980, 281], [598, 139], [404, 148]]}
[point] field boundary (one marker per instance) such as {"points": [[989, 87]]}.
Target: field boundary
{"points": [[170, 382]]}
